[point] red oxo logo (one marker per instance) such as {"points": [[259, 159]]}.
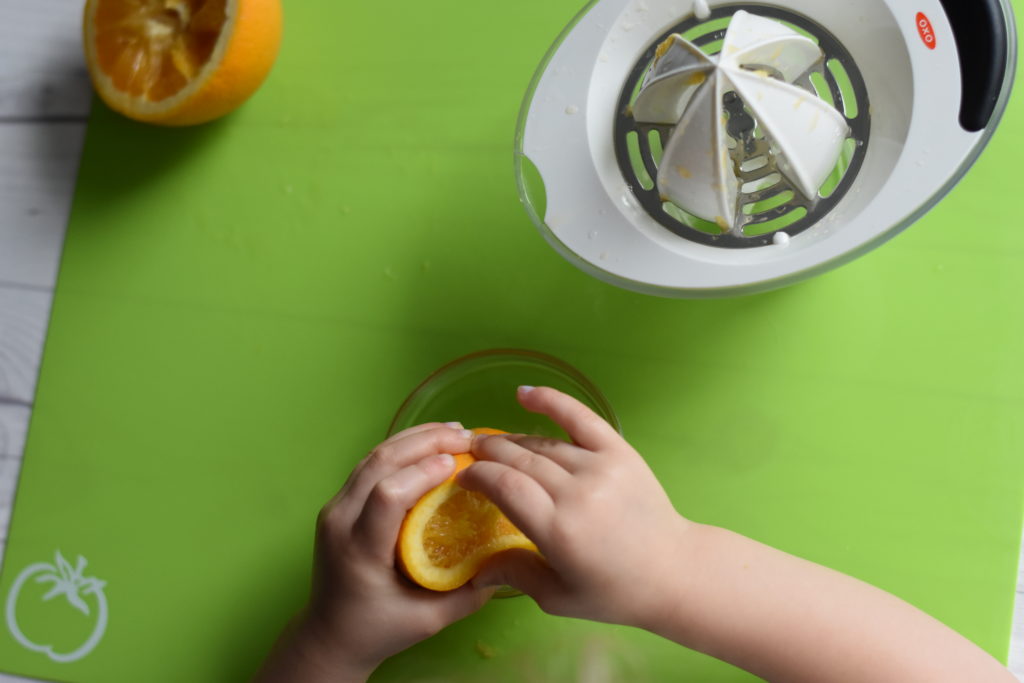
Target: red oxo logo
{"points": [[924, 27]]}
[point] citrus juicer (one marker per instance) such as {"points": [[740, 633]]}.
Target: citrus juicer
{"points": [[690, 149]]}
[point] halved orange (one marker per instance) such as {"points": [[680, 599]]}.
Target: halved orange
{"points": [[180, 62], [448, 535]]}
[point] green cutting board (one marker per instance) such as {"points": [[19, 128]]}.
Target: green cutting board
{"points": [[242, 307]]}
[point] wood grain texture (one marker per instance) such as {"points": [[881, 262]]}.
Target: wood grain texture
{"points": [[38, 165], [42, 71], [13, 428], [44, 101], [23, 319]]}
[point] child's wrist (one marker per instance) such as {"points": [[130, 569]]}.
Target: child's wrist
{"points": [[680, 578], [325, 649]]}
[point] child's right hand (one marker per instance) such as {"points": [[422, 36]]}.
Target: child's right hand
{"points": [[615, 550], [608, 532]]}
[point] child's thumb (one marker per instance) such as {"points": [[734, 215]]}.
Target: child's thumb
{"points": [[523, 570]]}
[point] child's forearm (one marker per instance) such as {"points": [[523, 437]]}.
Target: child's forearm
{"points": [[787, 619], [303, 654]]}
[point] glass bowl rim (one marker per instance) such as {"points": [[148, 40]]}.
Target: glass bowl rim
{"points": [[603, 406]]}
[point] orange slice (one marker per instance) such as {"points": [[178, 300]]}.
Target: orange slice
{"points": [[448, 535], [180, 62]]}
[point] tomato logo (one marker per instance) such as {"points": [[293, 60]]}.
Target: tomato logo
{"points": [[84, 594], [924, 28]]}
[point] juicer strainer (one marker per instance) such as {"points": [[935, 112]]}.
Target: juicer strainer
{"points": [[691, 149]]}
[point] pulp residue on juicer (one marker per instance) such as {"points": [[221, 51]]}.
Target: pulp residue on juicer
{"points": [[738, 111]]}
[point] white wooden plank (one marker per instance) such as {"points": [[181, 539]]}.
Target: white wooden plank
{"points": [[23, 319], [7, 678], [14, 419], [42, 71], [38, 165], [42, 76], [24, 314], [13, 430], [13, 427]]}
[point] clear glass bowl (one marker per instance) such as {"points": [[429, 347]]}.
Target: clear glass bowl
{"points": [[479, 390]]}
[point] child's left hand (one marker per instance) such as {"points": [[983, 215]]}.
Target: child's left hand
{"points": [[361, 610]]}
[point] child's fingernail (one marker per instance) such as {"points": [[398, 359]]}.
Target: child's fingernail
{"points": [[525, 389], [453, 425], [446, 459], [465, 433]]}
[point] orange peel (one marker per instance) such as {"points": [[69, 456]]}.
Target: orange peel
{"points": [[180, 62], [451, 532]]}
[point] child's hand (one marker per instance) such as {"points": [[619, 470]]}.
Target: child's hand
{"points": [[603, 523], [361, 610], [615, 550]]}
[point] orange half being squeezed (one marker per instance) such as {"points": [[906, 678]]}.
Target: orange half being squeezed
{"points": [[449, 534]]}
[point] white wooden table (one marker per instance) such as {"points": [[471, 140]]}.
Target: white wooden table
{"points": [[44, 104]]}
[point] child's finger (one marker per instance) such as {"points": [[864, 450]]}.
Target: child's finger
{"points": [[546, 472], [569, 456], [582, 424], [390, 439], [409, 431], [391, 498], [459, 603], [388, 458], [521, 498], [523, 570]]}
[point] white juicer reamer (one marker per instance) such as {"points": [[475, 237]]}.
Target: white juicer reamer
{"points": [[689, 148]]}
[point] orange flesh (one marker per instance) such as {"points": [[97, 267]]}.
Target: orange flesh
{"points": [[462, 526], [154, 48]]}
